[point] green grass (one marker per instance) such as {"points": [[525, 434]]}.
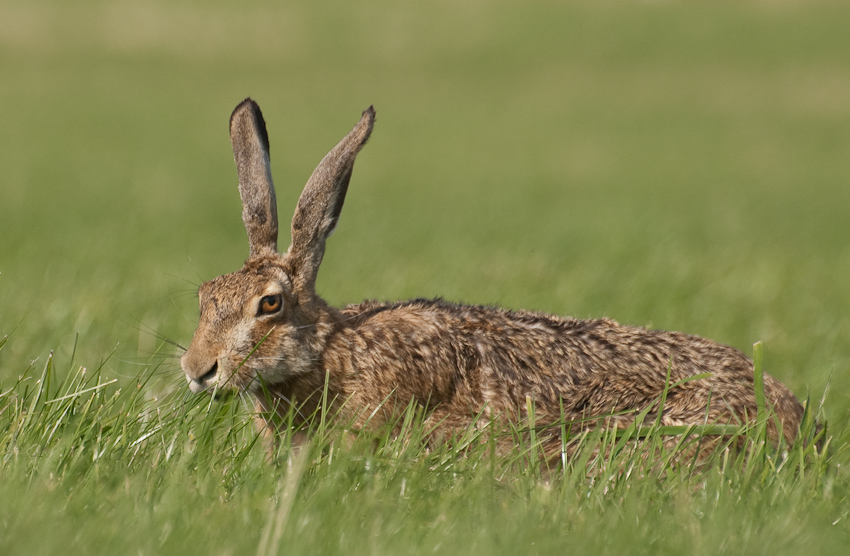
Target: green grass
{"points": [[131, 469], [677, 165]]}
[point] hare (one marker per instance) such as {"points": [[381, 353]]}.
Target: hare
{"points": [[264, 330]]}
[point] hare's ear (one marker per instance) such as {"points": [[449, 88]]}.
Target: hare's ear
{"points": [[321, 202], [251, 152]]}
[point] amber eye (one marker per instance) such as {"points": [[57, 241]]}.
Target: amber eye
{"points": [[269, 304]]}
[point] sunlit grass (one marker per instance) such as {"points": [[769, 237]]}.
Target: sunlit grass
{"points": [[166, 472]]}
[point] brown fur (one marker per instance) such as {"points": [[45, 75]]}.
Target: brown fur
{"points": [[463, 365]]}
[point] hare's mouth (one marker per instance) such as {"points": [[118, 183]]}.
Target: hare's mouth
{"points": [[210, 375]]}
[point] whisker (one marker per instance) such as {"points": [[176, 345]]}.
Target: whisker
{"points": [[179, 293], [179, 310], [142, 327], [191, 283], [195, 268]]}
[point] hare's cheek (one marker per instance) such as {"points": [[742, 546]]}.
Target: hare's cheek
{"points": [[241, 338]]}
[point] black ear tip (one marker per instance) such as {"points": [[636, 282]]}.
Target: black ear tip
{"points": [[367, 121], [246, 105], [253, 109]]}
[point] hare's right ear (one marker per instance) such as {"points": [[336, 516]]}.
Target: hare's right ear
{"points": [[317, 212], [251, 152]]}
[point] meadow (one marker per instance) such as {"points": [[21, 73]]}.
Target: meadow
{"points": [[676, 165]]}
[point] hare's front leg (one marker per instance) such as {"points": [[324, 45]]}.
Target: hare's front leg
{"points": [[270, 435]]}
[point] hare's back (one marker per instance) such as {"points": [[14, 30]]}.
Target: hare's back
{"points": [[490, 359]]}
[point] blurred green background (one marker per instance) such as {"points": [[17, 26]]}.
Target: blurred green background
{"points": [[679, 165]]}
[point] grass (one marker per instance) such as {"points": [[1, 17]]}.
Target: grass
{"points": [[120, 470], [674, 165]]}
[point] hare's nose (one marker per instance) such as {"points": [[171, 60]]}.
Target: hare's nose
{"points": [[204, 381]]}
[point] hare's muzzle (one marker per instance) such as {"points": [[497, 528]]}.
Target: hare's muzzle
{"points": [[200, 375]]}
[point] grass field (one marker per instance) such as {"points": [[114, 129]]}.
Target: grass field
{"points": [[676, 165]]}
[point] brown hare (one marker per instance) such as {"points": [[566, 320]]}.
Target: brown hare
{"points": [[265, 331]]}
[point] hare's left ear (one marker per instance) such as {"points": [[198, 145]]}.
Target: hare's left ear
{"points": [[251, 152], [320, 204]]}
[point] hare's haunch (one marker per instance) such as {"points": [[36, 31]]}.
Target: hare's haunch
{"points": [[264, 330]]}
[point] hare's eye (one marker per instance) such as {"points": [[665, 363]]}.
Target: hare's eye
{"points": [[270, 304]]}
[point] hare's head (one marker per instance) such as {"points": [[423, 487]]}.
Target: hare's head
{"points": [[262, 323]]}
